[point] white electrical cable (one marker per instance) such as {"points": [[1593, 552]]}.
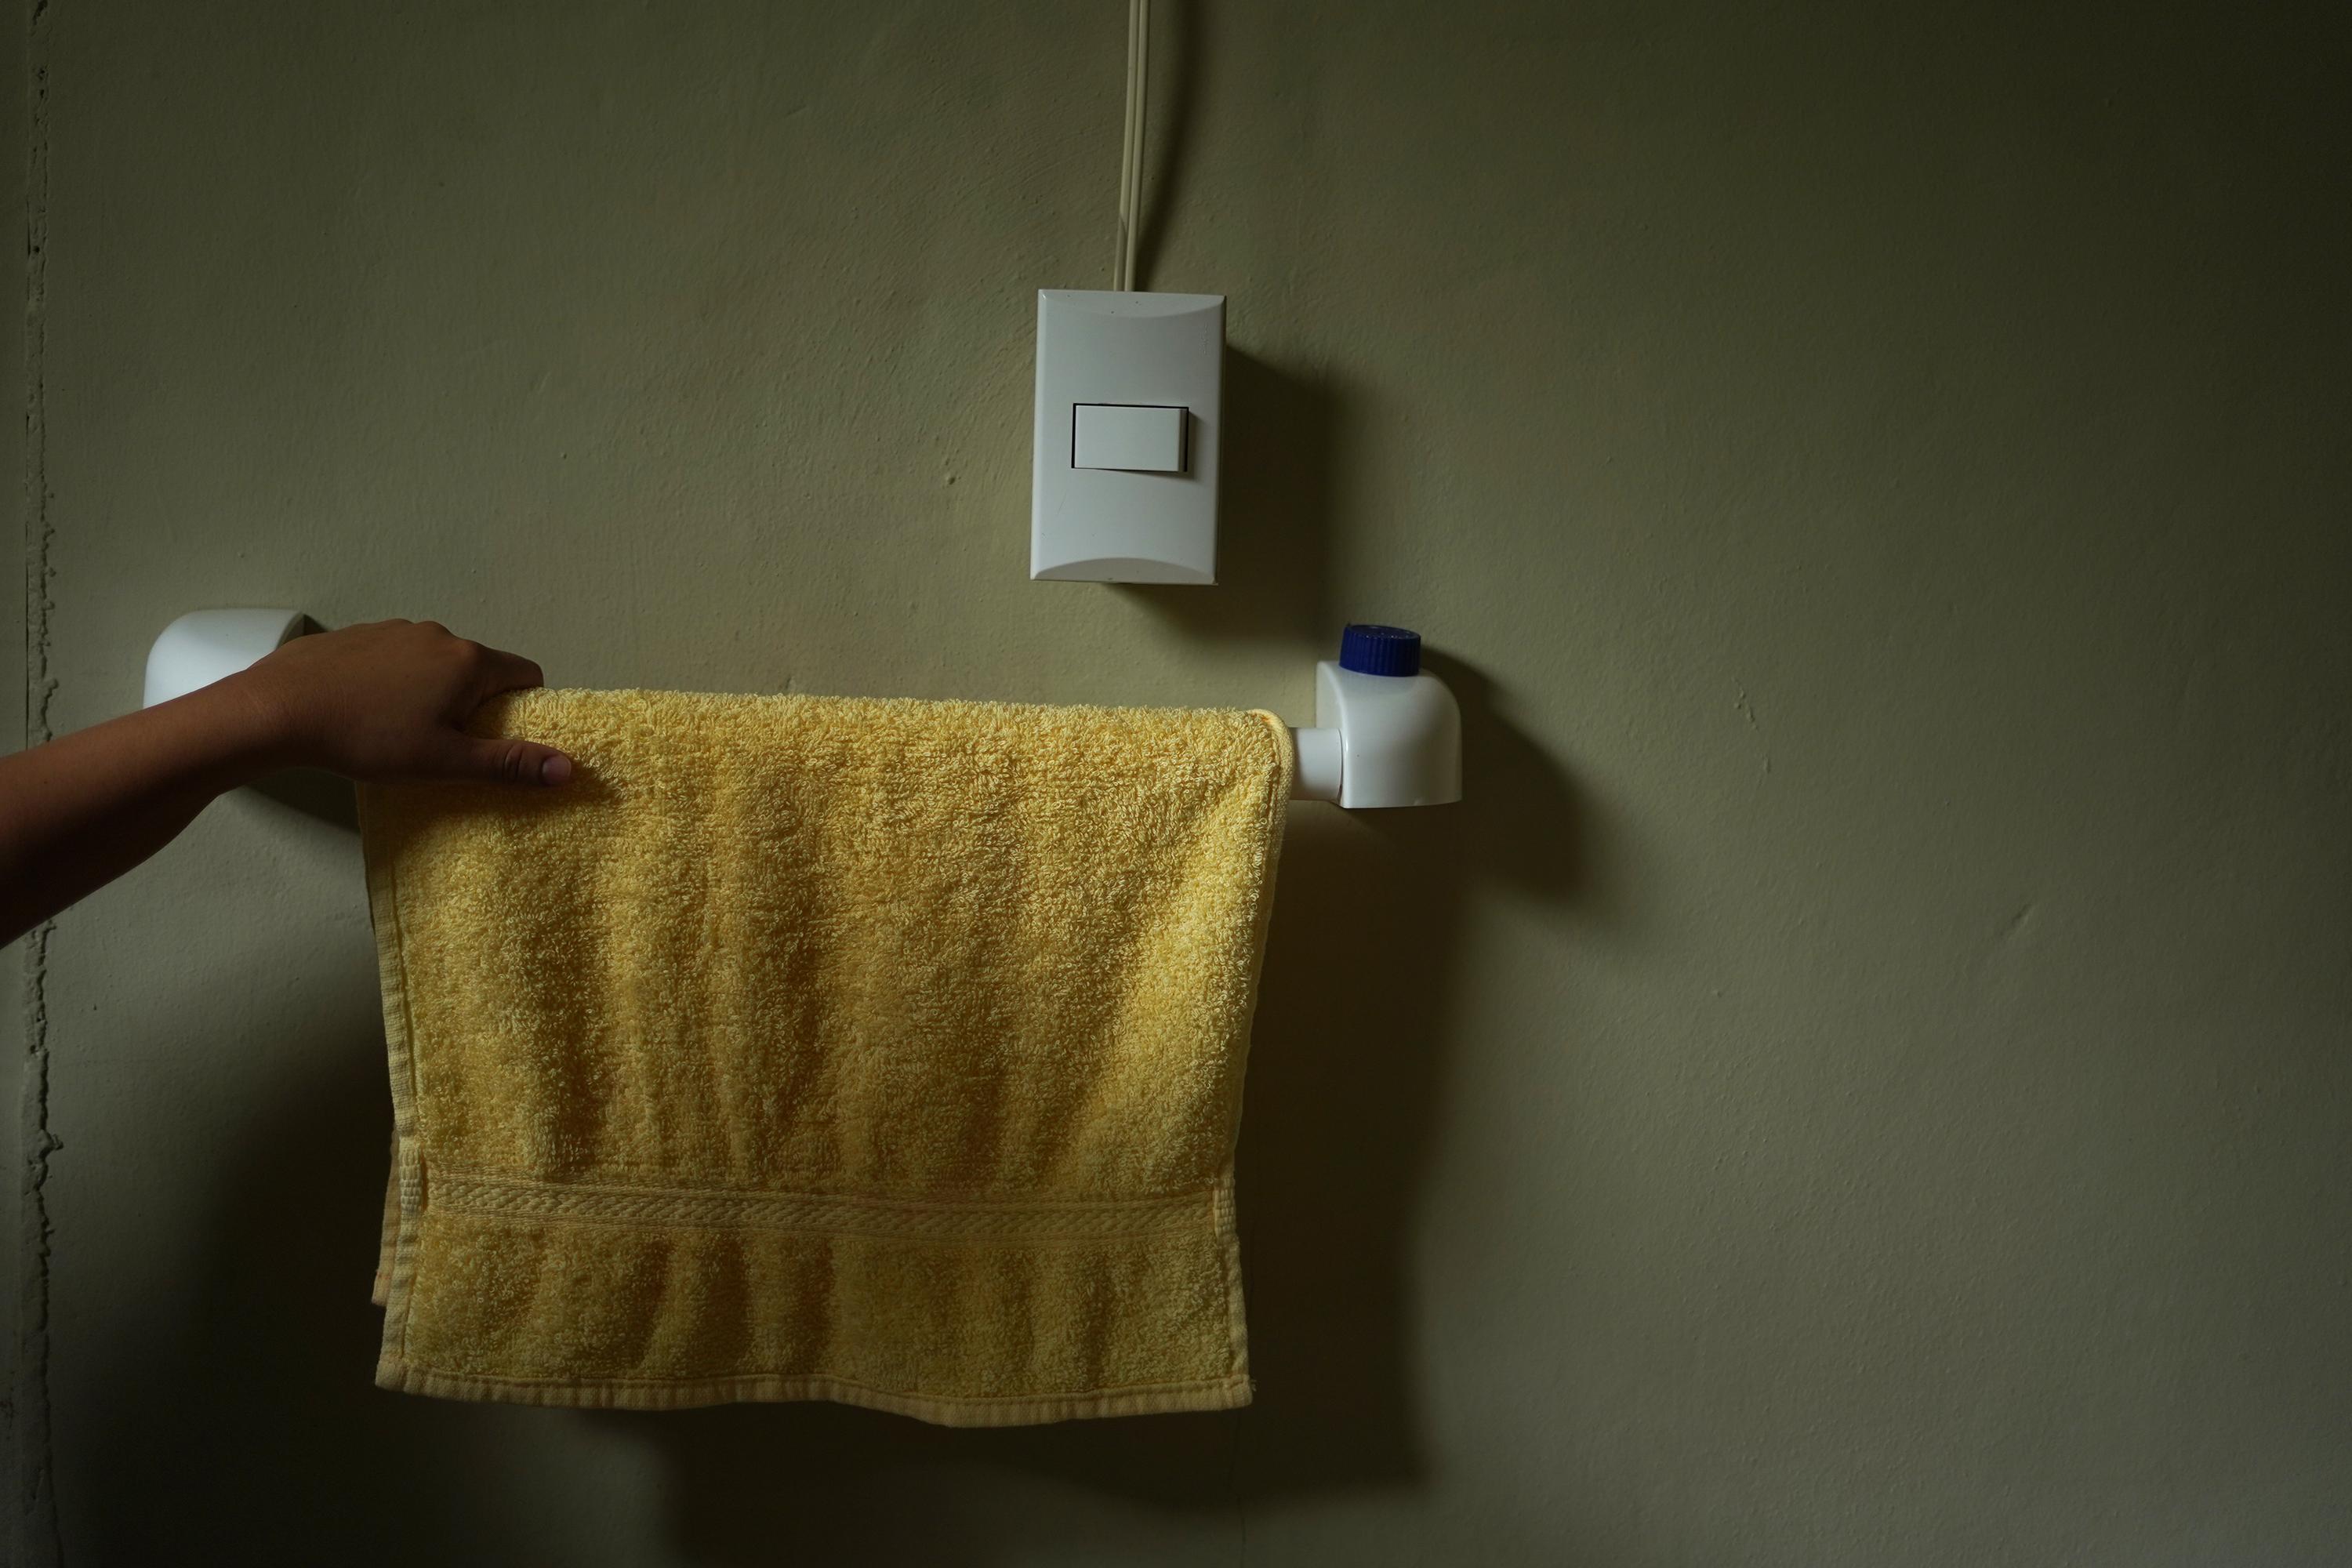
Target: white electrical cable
{"points": [[1130, 151]]}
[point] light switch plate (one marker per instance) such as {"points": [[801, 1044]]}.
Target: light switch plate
{"points": [[1142, 351]]}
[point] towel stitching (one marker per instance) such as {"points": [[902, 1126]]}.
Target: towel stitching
{"points": [[952, 1409], [804, 1211], [528, 1181], [618, 1379], [619, 1174], [847, 1232]]}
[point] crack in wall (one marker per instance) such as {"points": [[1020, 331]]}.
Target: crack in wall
{"points": [[34, 1528]]}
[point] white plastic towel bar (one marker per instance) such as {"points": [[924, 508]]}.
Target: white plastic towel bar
{"points": [[1385, 734]]}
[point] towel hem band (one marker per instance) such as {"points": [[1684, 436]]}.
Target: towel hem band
{"points": [[1228, 1393]]}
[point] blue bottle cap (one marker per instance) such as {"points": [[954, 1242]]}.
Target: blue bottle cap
{"points": [[1379, 650]]}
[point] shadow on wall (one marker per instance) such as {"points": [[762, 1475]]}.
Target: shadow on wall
{"points": [[251, 1430], [1276, 499]]}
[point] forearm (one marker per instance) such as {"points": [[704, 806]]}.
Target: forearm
{"points": [[83, 809], [387, 702]]}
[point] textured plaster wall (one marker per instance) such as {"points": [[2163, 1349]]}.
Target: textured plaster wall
{"points": [[19, 1393], [1864, 1080]]}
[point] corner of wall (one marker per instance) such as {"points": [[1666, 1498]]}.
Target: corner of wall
{"points": [[29, 1534]]}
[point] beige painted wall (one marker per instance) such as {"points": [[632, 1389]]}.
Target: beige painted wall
{"points": [[1864, 1080]]}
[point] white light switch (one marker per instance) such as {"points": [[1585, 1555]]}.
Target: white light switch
{"points": [[1129, 392], [1121, 435]]}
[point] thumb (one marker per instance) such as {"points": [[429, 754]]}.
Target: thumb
{"points": [[508, 762]]}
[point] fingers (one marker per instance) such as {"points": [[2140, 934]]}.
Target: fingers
{"points": [[507, 762], [498, 670], [502, 759]]}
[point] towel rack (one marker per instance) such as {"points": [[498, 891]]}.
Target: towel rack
{"points": [[1385, 732]]}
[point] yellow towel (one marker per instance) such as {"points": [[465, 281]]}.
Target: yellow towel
{"points": [[807, 1048]]}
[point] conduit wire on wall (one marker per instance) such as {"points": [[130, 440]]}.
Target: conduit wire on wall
{"points": [[1130, 152]]}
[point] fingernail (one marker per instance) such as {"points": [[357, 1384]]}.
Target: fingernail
{"points": [[556, 770]]}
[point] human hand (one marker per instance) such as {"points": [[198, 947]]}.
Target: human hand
{"points": [[387, 702]]}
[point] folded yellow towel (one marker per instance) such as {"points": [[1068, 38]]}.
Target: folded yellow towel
{"points": [[806, 1047]]}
